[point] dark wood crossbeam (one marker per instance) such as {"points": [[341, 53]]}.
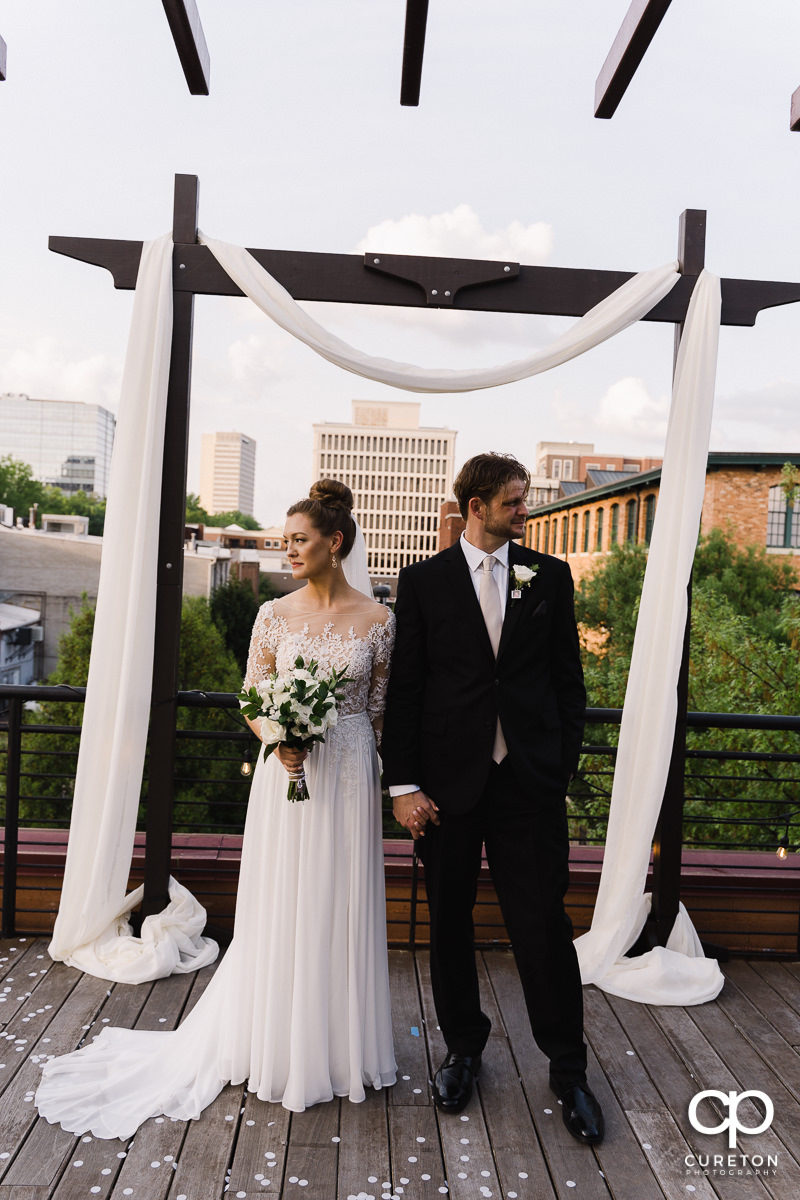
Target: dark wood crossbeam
{"points": [[3, 59], [413, 51], [190, 42], [630, 45], [794, 119], [342, 278]]}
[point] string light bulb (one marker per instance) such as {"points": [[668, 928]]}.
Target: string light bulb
{"points": [[783, 847], [247, 763]]}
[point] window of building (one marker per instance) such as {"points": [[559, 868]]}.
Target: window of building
{"points": [[649, 518], [598, 530], [783, 520], [593, 466], [614, 534], [546, 533], [556, 468], [564, 534], [586, 532], [630, 521], [567, 469], [574, 545]]}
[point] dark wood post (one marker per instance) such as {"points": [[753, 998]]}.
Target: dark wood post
{"points": [[169, 586], [668, 839]]}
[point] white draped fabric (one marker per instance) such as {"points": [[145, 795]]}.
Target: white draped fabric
{"points": [[91, 931], [679, 973], [619, 310]]}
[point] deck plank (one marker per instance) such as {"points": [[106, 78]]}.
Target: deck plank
{"points": [[312, 1155], [158, 1140], [666, 1147], [766, 999], [260, 1148], [417, 1166], [207, 1148], [570, 1166], [761, 1034], [364, 1145], [62, 1034], [784, 982], [702, 1068], [518, 1158], [409, 1032], [751, 1071], [26, 966]]}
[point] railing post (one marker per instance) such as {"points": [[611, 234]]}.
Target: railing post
{"points": [[169, 588], [12, 817], [412, 916]]}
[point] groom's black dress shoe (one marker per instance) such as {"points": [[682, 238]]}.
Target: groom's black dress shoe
{"points": [[581, 1111], [452, 1083]]}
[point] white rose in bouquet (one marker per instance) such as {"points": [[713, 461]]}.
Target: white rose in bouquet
{"points": [[272, 731]]}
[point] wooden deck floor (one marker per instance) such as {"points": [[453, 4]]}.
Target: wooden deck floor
{"points": [[646, 1064]]}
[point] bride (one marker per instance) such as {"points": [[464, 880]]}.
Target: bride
{"points": [[299, 1006]]}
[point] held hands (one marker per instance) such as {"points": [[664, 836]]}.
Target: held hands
{"points": [[290, 760], [413, 811]]}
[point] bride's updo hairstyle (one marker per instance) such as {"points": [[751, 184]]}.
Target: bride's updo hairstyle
{"points": [[328, 508]]}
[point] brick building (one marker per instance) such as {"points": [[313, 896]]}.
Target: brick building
{"points": [[742, 495]]}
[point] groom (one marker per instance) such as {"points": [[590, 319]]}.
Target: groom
{"points": [[482, 734]]}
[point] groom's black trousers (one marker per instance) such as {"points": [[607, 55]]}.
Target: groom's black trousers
{"points": [[527, 847]]}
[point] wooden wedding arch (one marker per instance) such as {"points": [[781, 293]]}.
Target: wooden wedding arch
{"points": [[387, 279]]}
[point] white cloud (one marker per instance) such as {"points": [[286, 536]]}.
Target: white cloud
{"points": [[47, 368], [460, 234], [629, 412]]}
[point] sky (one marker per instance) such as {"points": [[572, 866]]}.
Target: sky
{"points": [[303, 145]]}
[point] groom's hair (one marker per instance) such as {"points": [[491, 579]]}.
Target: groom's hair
{"points": [[485, 475]]}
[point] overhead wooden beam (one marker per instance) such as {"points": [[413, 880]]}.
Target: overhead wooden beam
{"points": [[190, 42], [413, 50], [630, 45], [343, 279], [794, 120], [3, 58]]}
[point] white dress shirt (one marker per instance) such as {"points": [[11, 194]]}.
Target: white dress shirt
{"points": [[474, 558]]}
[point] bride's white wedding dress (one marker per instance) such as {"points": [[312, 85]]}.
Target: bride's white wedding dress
{"points": [[299, 1006]]}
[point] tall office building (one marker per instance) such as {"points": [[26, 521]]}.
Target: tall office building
{"points": [[227, 473], [66, 443], [399, 473]]}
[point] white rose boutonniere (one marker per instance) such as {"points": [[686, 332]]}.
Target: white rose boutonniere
{"points": [[522, 577]]}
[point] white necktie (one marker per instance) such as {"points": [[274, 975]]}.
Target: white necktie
{"points": [[492, 610]]}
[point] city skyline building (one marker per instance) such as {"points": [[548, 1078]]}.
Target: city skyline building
{"points": [[227, 473], [400, 474], [66, 443]]}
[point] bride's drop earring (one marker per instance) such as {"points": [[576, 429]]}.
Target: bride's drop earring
{"points": [[334, 563]]}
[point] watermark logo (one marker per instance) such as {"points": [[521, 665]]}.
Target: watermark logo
{"points": [[731, 1101]]}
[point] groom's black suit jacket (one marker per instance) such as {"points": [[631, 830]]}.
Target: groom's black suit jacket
{"points": [[446, 689]]}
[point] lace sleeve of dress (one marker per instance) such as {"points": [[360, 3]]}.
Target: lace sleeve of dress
{"points": [[381, 637], [261, 657]]}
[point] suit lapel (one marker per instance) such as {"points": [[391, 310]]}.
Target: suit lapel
{"points": [[463, 591], [513, 607]]}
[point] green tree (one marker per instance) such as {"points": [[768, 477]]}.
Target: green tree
{"points": [[744, 658], [234, 518], [233, 610], [18, 488], [209, 789], [754, 582], [195, 513]]}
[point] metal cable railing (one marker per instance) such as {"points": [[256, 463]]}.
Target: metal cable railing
{"points": [[742, 804]]}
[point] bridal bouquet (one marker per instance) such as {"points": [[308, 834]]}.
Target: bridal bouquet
{"points": [[296, 709]]}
